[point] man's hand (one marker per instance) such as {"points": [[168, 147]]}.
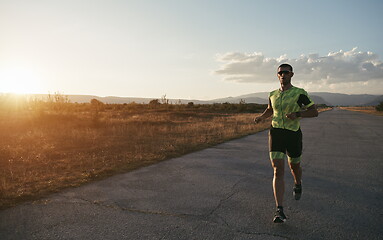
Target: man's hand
{"points": [[292, 116], [258, 119], [267, 113]]}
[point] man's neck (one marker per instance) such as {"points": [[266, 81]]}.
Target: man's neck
{"points": [[286, 87]]}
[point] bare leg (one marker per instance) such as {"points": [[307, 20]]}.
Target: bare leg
{"points": [[296, 170], [278, 181]]}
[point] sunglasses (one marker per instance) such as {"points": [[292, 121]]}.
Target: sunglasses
{"points": [[283, 72]]}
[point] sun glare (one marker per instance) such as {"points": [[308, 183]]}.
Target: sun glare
{"points": [[19, 81]]}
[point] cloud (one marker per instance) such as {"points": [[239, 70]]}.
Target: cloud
{"points": [[335, 69]]}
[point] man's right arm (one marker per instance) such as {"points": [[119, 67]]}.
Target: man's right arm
{"points": [[267, 113]]}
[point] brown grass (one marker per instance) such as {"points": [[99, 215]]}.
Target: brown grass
{"points": [[368, 110], [45, 148]]}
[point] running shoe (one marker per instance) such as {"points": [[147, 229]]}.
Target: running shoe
{"points": [[279, 216], [297, 191]]}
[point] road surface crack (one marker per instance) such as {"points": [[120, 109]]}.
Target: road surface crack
{"points": [[261, 234], [228, 196], [135, 210]]}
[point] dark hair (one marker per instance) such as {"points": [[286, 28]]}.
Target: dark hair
{"points": [[286, 65]]}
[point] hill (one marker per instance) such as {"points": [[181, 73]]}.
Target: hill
{"points": [[330, 99], [116, 100], [339, 99], [375, 102]]}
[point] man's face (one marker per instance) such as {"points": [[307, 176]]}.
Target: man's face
{"points": [[285, 75]]}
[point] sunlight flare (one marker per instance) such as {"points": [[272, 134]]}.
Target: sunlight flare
{"points": [[19, 80]]}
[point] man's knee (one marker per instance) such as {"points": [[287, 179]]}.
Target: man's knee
{"points": [[294, 166], [278, 166]]}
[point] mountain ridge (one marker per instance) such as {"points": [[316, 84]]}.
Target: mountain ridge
{"points": [[330, 99]]}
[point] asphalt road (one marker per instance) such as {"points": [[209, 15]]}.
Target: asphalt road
{"points": [[225, 192]]}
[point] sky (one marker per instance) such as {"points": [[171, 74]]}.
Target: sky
{"points": [[189, 49]]}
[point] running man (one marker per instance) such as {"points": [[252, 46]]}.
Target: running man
{"points": [[287, 105]]}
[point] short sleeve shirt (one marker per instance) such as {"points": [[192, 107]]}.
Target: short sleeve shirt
{"points": [[289, 101]]}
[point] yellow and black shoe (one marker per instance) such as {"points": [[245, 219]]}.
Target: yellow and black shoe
{"points": [[297, 191], [279, 216]]}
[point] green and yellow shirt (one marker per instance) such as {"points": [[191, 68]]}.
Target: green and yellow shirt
{"points": [[289, 101]]}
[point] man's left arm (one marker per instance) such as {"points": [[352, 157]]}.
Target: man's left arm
{"points": [[308, 113]]}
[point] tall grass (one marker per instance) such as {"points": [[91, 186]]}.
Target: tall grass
{"points": [[46, 146]]}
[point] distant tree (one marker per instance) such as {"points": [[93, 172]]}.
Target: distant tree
{"points": [[164, 100], [96, 106], [241, 107], [57, 97], [95, 102], [154, 102], [58, 101], [379, 107]]}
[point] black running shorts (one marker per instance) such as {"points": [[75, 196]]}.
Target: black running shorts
{"points": [[283, 141]]}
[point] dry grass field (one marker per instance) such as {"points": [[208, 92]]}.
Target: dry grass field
{"points": [[47, 146], [368, 110]]}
